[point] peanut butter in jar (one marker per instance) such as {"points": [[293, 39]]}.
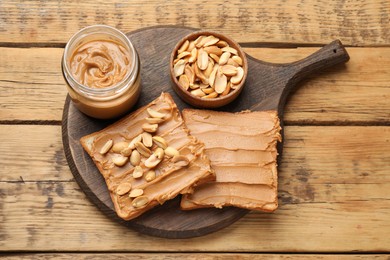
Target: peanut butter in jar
{"points": [[102, 71]]}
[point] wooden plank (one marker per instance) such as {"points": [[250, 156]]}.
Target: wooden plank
{"points": [[31, 84], [35, 216], [32, 87], [334, 154], [334, 197], [31, 153], [189, 256], [358, 23]]}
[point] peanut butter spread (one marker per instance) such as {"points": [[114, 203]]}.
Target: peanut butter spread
{"points": [[100, 63], [126, 156], [242, 151]]}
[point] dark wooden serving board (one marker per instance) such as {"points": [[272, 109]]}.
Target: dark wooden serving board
{"points": [[266, 87]]}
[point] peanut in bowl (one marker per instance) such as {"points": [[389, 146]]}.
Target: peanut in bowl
{"points": [[208, 69]]}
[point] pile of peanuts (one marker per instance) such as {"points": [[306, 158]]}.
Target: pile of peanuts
{"points": [[208, 67]]}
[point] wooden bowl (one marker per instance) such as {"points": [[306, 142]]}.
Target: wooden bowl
{"points": [[210, 102]]}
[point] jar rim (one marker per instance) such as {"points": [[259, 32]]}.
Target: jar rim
{"points": [[117, 34]]}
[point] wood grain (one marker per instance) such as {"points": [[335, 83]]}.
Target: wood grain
{"points": [[28, 147], [333, 195], [190, 256], [31, 84], [32, 87], [357, 23], [33, 214], [61, 208]]}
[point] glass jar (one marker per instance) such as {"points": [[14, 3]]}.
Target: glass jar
{"points": [[111, 101]]}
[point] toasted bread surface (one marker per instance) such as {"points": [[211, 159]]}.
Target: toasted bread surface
{"points": [[242, 150], [173, 175]]}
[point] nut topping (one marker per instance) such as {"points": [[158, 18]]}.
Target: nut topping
{"points": [[154, 120], [135, 140], [126, 152], [140, 201], [106, 147], [147, 139], [118, 147], [123, 188], [150, 128], [155, 158], [135, 158], [142, 149], [138, 172], [160, 142], [120, 160], [150, 175], [154, 113], [159, 153], [171, 152], [152, 161], [136, 193], [180, 160]]}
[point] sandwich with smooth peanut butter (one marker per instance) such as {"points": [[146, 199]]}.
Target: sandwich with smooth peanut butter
{"points": [[242, 150], [148, 157]]}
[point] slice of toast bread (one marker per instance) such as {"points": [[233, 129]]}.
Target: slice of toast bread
{"points": [[242, 150], [131, 193]]}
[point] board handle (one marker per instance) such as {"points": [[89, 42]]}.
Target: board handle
{"points": [[329, 55]]}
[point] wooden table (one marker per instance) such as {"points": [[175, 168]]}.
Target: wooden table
{"points": [[334, 180]]}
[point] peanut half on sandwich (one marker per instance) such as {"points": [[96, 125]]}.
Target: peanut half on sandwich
{"points": [[148, 157], [242, 150]]}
